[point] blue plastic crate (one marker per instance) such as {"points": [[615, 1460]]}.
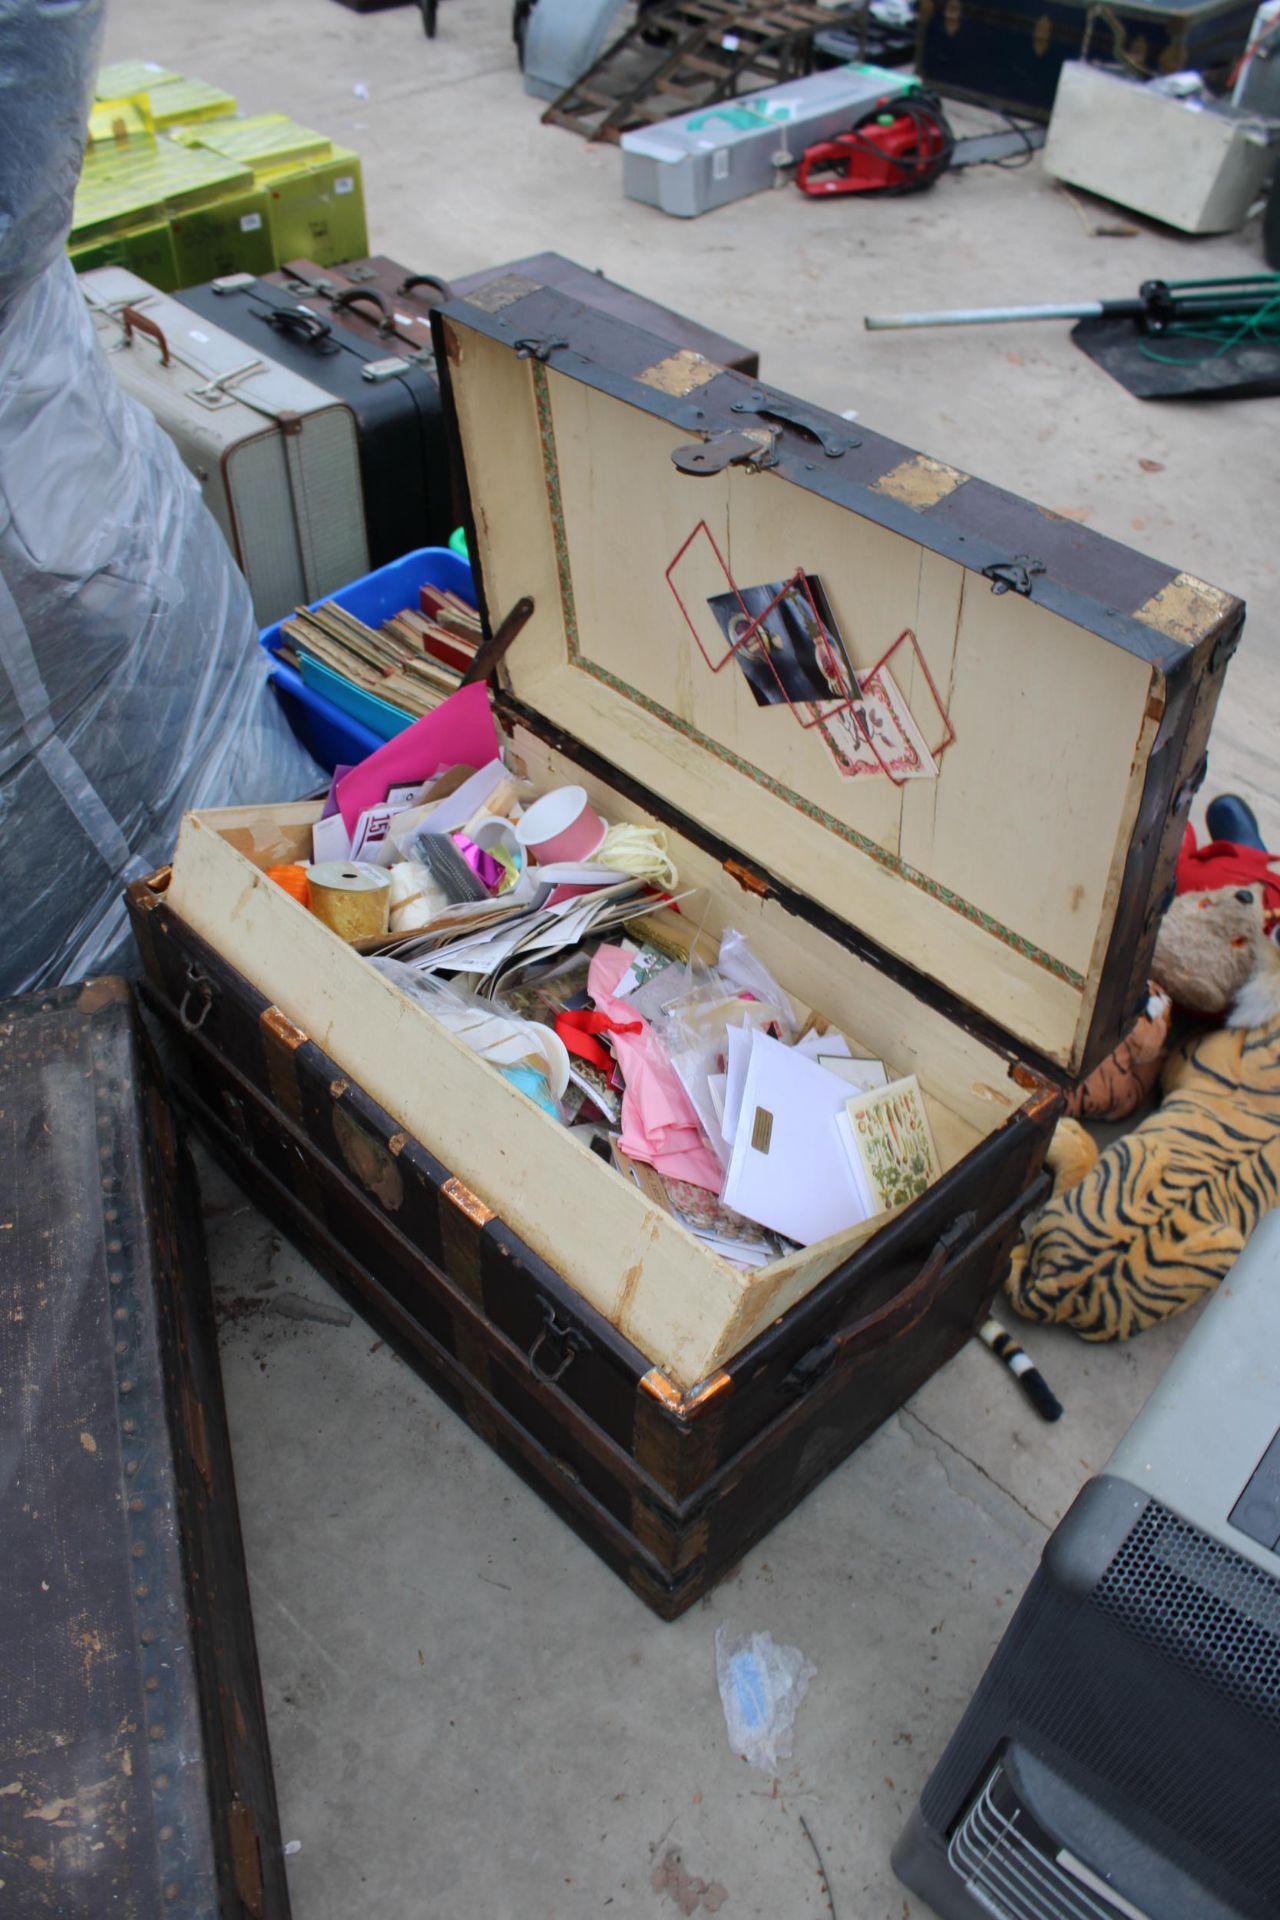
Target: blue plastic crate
{"points": [[331, 734]]}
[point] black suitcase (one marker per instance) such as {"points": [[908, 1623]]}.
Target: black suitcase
{"points": [[138, 1778], [1009, 53], [404, 460]]}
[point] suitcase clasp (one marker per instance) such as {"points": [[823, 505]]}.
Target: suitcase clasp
{"points": [[1014, 575], [539, 349], [565, 1341], [756, 449]]}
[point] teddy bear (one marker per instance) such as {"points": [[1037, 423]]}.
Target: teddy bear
{"points": [[1141, 1230], [1202, 958]]}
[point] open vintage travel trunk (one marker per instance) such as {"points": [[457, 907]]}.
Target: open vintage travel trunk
{"points": [[987, 926]]}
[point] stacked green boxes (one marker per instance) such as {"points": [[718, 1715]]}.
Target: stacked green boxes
{"points": [[198, 193], [138, 199]]}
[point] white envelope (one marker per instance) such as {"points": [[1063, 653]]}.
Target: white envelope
{"points": [[789, 1169], [737, 1055]]}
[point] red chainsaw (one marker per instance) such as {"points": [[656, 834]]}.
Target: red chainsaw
{"points": [[900, 145]]}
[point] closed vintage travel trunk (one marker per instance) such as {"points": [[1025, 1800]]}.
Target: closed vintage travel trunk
{"points": [[403, 453], [1009, 53], [138, 1778], [985, 923], [277, 458]]}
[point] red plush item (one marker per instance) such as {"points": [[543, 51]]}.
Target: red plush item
{"points": [[1221, 863]]}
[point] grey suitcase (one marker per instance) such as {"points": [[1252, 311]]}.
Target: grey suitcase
{"points": [[277, 458]]}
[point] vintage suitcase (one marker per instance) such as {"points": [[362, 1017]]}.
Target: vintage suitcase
{"points": [[404, 457], [276, 456], [138, 1778], [1010, 54], [989, 929], [388, 302]]}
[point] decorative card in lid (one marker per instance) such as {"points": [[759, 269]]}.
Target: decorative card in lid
{"points": [[964, 726]]}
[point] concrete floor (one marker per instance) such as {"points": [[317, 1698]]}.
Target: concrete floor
{"points": [[469, 1716]]}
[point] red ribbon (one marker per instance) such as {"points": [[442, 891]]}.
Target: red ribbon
{"points": [[576, 1029]]}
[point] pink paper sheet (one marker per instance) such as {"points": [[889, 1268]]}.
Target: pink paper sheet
{"points": [[659, 1125], [458, 733]]}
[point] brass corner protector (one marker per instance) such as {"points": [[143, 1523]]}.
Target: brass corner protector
{"points": [[656, 1384], [1186, 610], [282, 1029], [470, 1204], [749, 881], [145, 893]]}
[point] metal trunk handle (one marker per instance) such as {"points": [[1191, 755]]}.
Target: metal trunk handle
{"points": [[565, 1341], [871, 1330]]}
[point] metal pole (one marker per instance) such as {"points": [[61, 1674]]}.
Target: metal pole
{"points": [[980, 316]]}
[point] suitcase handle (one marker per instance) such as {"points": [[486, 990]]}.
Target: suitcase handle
{"points": [[412, 280], [131, 318], [354, 296], [292, 320]]}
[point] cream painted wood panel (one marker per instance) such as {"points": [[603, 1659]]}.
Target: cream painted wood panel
{"points": [[1008, 903]]}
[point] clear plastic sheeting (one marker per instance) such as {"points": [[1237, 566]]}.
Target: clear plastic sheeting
{"points": [[132, 686], [49, 53]]}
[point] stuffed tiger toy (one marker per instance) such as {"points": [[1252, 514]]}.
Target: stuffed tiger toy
{"points": [[1162, 1213]]}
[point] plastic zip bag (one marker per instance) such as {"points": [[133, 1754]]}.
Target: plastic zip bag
{"points": [[761, 1687]]}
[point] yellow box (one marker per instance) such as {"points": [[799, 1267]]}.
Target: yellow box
{"points": [[179, 103], [144, 179], [125, 78], [147, 251], [231, 236], [270, 143], [319, 214], [115, 121]]}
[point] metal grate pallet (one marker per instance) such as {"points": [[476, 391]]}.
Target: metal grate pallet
{"points": [[684, 54]]}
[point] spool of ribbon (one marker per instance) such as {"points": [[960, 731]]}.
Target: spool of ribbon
{"points": [[577, 1028], [641, 851], [351, 897], [294, 881]]}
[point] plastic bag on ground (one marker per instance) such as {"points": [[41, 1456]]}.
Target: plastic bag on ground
{"points": [[132, 686], [761, 1687]]}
